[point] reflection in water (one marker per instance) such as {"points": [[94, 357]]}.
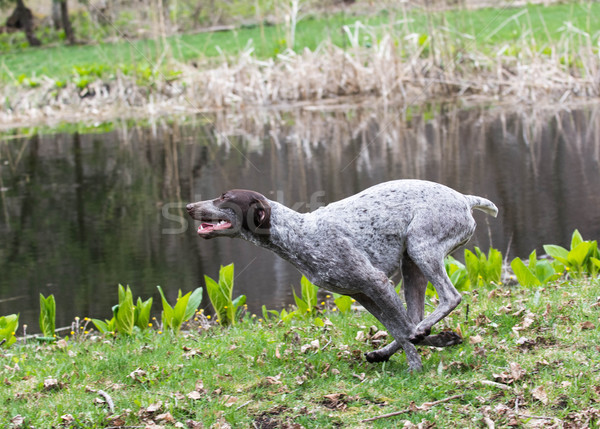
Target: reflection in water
{"points": [[83, 212]]}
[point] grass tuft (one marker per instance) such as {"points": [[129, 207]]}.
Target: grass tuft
{"points": [[529, 356]]}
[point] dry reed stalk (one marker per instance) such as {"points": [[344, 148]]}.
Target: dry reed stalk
{"points": [[399, 68]]}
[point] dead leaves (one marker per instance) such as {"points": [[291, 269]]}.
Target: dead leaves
{"points": [[587, 326], [540, 394], [373, 336], [525, 324], [338, 401]]}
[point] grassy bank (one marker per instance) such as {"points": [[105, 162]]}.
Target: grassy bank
{"points": [[529, 357], [406, 57], [484, 30]]}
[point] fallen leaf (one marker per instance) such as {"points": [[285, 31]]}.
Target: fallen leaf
{"points": [[67, 418], [165, 417], [192, 424], [379, 335], [540, 394], [360, 336], [587, 325], [195, 395], [51, 384], [138, 375], [17, 421], [152, 408], [229, 400], [274, 379], [475, 339], [516, 371]]}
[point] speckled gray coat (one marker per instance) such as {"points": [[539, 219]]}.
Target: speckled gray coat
{"points": [[355, 245]]}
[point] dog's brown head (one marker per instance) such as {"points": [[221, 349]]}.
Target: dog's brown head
{"points": [[233, 213]]}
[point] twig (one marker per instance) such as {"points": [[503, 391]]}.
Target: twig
{"points": [[494, 384], [489, 422], [109, 401], [243, 405], [528, 416], [425, 406]]}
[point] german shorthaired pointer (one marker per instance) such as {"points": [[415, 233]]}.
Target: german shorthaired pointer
{"points": [[355, 245]]}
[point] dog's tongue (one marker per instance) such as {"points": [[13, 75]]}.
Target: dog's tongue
{"points": [[205, 227]]}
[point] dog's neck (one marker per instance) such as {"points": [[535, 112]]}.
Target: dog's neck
{"points": [[288, 227]]}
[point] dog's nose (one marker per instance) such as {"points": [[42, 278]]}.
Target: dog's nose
{"points": [[189, 207]]}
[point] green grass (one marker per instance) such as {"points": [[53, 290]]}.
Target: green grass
{"points": [[540, 26], [541, 344]]}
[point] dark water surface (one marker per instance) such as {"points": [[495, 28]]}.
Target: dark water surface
{"points": [[82, 212]]}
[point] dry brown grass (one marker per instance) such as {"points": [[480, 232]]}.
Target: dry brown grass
{"points": [[399, 69]]}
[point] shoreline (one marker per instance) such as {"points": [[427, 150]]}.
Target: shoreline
{"points": [[329, 76]]}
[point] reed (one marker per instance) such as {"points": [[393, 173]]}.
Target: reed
{"points": [[390, 61]]}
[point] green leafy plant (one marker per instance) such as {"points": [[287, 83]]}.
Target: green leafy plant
{"points": [[457, 273], [220, 294], [282, 315], [536, 272], [342, 302], [483, 270], [183, 310], [141, 314], [126, 316], [47, 316], [307, 302], [583, 257], [8, 328]]}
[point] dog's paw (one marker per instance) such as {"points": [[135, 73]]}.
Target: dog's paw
{"points": [[375, 356], [419, 335], [443, 339]]}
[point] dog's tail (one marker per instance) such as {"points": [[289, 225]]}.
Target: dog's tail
{"points": [[482, 204]]}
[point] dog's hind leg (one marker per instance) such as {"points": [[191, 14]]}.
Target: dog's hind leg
{"points": [[391, 317], [414, 284], [428, 243]]}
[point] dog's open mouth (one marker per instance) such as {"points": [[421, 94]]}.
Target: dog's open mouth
{"points": [[207, 227]]}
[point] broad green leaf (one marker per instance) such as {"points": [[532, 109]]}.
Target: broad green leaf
{"points": [[193, 303], [226, 281], [578, 255], [596, 262], [309, 292], [179, 311], [544, 271], [557, 252], [47, 315], [125, 315], [343, 303], [301, 304], [524, 276], [8, 327], [167, 313], [142, 313], [576, 239], [318, 322], [532, 259], [268, 313], [472, 264], [494, 263], [101, 326], [217, 298]]}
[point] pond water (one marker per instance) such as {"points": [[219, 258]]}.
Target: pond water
{"points": [[84, 211]]}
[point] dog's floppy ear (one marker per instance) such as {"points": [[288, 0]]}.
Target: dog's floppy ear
{"points": [[260, 213]]}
